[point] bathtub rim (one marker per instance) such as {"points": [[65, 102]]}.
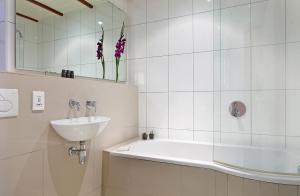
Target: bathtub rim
{"points": [[213, 165]]}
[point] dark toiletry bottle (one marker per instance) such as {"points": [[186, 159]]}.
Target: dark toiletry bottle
{"points": [[68, 74], [145, 136], [151, 135], [63, 73], [72, 74]]}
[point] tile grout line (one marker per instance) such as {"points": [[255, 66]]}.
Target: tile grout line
{"points": [[251, 77], [220, 74], [168, 69], [213, 79], [199, 52], [285, 74], [146, 80], [193, 38]]}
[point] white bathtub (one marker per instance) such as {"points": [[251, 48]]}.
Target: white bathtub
{"points": [[201, 155]]}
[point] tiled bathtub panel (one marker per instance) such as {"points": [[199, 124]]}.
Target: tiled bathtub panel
{"points": [[197, 181], [287, 190], [154, 178], [269, 189], [148, 178], [250, 187], [235, 186], [221, 181], [118, 173]]}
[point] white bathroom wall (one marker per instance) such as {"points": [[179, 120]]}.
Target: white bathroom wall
{"points": [[190, 62]]}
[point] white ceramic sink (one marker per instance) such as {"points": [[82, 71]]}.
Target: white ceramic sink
{"points": [[80, 129]]}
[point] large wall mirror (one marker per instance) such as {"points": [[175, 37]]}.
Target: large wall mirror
{"points": [[52, 35]]}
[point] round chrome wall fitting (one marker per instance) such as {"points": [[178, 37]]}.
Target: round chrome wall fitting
{"points": [[237, 109]]}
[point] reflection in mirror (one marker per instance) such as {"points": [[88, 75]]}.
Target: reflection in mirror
{"points": [[52, 35]]}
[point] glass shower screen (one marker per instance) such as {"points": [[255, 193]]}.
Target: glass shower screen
{"points": [[257, 84]]}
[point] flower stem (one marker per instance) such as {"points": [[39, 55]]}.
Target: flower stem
{"points": [[117, 69], [103, 67]]}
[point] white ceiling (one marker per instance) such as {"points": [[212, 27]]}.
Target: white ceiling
{"points": [[64, 6]]}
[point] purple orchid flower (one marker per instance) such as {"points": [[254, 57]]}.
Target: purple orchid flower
{"points": [[120, 49], [99, 51]]}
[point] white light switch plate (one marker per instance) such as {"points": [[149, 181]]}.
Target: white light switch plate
{"points": [[9, 103], [38, 101]]}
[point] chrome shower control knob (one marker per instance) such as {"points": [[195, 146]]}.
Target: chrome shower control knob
{"points": [[237, 109]]}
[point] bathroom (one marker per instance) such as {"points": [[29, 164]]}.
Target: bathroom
{"points": [[149, 97]]}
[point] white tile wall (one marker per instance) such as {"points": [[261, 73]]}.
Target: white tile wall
{"points": [[88, 48], [181, 35], [203, 55], [180, 8], [88, 70], [235, 69], [292, 20], [89, 18], [203, 6], [236, 139], [137, 73], [292, 65], [157, 38], [231, 3], [203, 32], [156, 10], [181, 72], [269, 141], [271, 29], [73, 23], [235, 27], [268, 67], [268, 112], [137, 41], [203, 71], [74, 51], [203, 111], [181, 110], [48, 54], [61, 52], [158, 74], [292, 113], [142, 109], [104, 14], [157, 110], [185, 135], [204, 136], [30, 54], [137, 10], [60, 28]]}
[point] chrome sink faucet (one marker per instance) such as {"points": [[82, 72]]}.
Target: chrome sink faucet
{"points": [[74, 106], [91, 105]]}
